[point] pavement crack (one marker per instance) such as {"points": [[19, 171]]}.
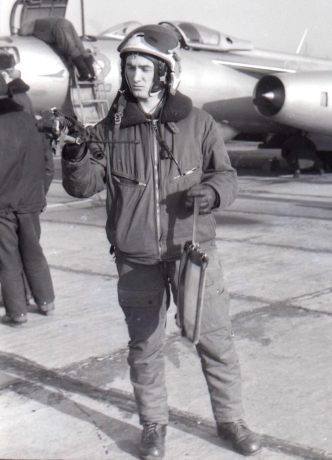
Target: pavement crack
{"points": [[250, 298], [296, 201], [288, 216], [79, 224], [251, 242], [282, 305], [315, 294], [34, 376], [310, 310], [82, 272]]}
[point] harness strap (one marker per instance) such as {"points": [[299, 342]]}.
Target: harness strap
{"points": [[116, 122], [163, 144]]}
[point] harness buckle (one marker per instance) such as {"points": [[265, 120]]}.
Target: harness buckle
{"points": [[117, 118]]}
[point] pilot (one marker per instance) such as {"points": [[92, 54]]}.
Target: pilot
{"points": [[167, 153], [61, 33], [22, 197]]}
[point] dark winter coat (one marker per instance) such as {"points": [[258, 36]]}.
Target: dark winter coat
{"points": [[147, 218], [19, 89], [22, 161]]}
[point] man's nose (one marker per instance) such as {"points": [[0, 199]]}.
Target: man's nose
{"points": [[137, 75]]}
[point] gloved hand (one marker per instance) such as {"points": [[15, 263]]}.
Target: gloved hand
{"points": [[73, 152], [71, 142], [207, 194]]}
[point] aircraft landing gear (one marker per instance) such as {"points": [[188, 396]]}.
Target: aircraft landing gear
{"points": [[301, 155]]}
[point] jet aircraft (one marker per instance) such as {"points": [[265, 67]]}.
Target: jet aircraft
{"points": [[248, 91]]}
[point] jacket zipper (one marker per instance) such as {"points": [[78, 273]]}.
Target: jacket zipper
{"points": [[156, 179]]}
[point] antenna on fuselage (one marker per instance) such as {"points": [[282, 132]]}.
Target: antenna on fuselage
{"points": [[82, 18], [301, 42]]}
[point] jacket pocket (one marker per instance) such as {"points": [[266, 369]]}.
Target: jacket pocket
{"points": [[126, 180], [189, 178], [127, 162], [186, 173]]}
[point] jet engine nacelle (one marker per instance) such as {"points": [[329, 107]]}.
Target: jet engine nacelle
{"points": [[302, 100]]}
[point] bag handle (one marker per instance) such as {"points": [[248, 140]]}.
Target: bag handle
{"points": [[197, 200]]}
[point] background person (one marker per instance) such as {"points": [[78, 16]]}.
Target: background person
{"points": [[169, 153], [301, 154], [19, 89], [22, 197]]}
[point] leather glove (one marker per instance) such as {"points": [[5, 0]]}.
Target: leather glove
{"points": [[73, 152], [207, 201]]}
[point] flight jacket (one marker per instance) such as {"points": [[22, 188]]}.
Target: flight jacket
{"points": [[147, 220]]}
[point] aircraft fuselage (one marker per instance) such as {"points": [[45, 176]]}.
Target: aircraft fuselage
{"points": [[222, 83]]}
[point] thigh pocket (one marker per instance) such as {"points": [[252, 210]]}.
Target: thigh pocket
{"points": [[140, 298]]}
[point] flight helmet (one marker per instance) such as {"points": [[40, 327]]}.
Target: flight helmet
{"points": [[161, 46]]}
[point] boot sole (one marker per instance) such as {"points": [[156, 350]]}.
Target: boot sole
{"points": [[151, 457], [13, 323], [245, 454], [47, 311]]}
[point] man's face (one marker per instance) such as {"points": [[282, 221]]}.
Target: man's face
{"points": [[140, 74]]}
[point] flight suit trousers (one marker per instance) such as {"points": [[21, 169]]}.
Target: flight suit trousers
{"points": [[20, 251], [67, 40], [143, 292]]}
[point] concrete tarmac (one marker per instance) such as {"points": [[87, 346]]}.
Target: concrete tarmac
{"points": [[64, 382]]}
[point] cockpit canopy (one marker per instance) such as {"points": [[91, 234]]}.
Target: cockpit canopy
{"points": [[119, 31], [198, 37], [29, 10], [191, 36]]}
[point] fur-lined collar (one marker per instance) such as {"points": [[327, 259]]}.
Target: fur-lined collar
{"points": [[8, 105], [18, 86], [176, 108]]}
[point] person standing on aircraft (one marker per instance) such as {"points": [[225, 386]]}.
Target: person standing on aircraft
{"points": [[168, 153], [61, 33], [22, 197]]}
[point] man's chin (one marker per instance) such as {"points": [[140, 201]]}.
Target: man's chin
{"points": [[140, 94]]}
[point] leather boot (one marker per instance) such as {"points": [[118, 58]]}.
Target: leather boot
{"points": [[89, 63], [244, 441], [152, 445], [80, 64], [46, 308], [14, 321]]}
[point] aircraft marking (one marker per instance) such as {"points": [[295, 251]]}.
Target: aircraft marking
{"points": [[251, 66]]}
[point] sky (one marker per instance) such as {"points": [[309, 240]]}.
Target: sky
{"points": [[270, 24]]}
